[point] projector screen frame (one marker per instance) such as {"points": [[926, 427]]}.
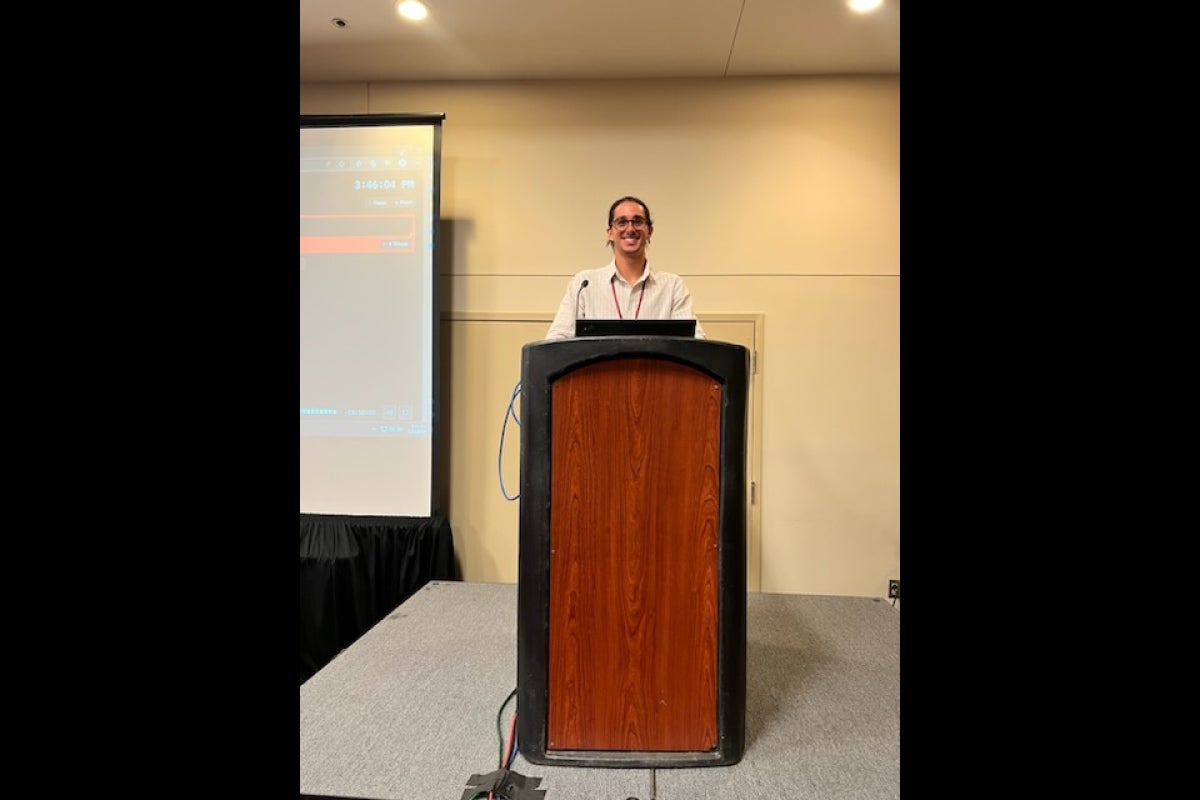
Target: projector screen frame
{"points": [[434, 121]]}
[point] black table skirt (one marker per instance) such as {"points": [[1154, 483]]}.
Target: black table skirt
{"points": [[354, 570]]}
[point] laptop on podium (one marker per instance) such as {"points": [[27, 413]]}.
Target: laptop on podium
{"points": [[636, 327]]}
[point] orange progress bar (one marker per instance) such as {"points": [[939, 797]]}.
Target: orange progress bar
{"points": [[355, 244]]}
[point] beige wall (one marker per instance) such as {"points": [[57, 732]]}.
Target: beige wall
{"points": [[778, 199]]}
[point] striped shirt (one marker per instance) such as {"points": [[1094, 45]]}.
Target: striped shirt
{"points": [[655, 295]]}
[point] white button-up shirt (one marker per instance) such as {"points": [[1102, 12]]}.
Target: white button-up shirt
{"points": [[655, 295]]}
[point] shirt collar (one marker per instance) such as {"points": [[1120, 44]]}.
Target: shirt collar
{"points": [[614, 275]]}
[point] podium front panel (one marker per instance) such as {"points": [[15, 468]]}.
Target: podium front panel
{"points": [[631, 625]]}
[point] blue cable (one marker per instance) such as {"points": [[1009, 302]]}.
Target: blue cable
{"points": [[500, 456]]}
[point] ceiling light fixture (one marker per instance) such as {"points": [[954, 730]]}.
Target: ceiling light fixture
{"points": [[411, 9], [863, 6]]}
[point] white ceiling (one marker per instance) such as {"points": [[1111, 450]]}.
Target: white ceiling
{"points": [[583, 39]]}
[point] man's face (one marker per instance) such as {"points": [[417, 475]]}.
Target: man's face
{"points": [[630, 230]]}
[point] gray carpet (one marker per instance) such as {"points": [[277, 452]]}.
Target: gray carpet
{"points": [[409, 710]]}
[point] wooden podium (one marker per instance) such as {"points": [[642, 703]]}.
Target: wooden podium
{"points": [[631, 620]]}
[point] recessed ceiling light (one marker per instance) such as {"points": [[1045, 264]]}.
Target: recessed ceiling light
{"points": [[411, 9], [338, 22], [863, 6]]}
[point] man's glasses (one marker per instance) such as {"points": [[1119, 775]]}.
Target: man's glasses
{"points": [[623, 222]]}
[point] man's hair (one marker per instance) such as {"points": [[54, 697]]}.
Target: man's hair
{"points": [[613, 207]]}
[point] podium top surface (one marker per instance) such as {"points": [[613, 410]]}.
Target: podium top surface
{"points": [[549, 357]]}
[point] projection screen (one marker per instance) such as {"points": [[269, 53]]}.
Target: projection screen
{"points": [[369, 218]]}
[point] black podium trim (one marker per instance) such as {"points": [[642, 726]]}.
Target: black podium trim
{"points": [[542, 363]]}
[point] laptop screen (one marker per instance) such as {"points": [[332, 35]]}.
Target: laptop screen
{"points": [[635, 327]]}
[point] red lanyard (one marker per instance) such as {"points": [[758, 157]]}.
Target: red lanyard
{"points": [[613, 285]]}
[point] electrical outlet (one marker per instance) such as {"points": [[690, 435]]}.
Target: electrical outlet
{"points": [[894, 589]]}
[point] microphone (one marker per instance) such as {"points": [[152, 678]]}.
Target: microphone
{"points": [[582, 286]]}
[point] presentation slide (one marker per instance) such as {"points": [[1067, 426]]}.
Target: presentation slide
{"points": [[368, 217]]}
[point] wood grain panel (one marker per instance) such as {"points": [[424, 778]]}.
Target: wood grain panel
{"points": [[633, 558]]}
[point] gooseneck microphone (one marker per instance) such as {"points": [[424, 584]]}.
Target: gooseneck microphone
{"points": [[582, 286]]}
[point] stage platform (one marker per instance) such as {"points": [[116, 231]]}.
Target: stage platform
{"points": [[410, 709]]}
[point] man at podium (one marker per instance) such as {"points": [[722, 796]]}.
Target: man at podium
{"points": [[626, 288]]}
